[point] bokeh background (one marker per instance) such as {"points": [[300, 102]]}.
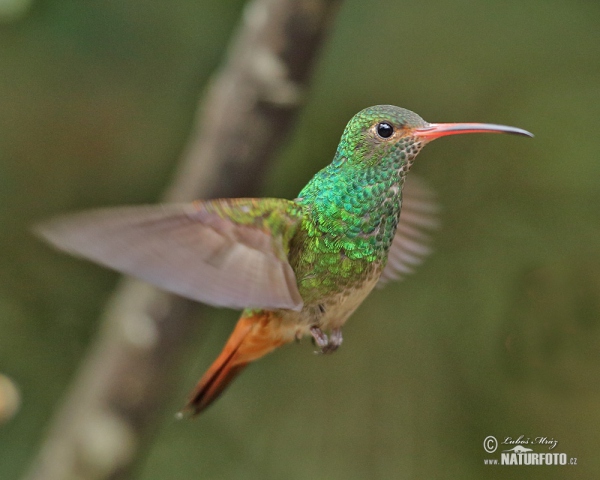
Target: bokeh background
{"points": [[498, 334]]}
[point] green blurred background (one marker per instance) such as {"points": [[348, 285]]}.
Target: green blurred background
{"points": [[498, 334]]}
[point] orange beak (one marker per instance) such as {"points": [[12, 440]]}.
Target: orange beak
{"points": [[437, 130]]}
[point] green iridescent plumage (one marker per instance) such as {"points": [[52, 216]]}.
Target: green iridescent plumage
{"points": [[352, 206]]}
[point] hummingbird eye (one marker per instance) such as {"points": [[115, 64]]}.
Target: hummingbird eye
{"points": [[385, 130]]}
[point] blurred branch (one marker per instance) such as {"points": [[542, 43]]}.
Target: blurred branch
{"points": [[109, 415]]}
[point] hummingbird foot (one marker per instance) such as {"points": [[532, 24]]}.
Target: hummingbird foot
{"points": [[326, 344]]}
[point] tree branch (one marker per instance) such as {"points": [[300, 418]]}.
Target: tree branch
{"points": [[109, 415]]}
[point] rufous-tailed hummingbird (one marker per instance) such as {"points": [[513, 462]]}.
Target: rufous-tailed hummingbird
{"points": [[297, 267]]}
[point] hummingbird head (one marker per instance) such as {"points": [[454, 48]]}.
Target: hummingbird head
{"points": [[394, 136], [376, 151]]}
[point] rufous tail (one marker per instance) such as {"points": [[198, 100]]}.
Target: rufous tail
{"points": [[254, 335]]}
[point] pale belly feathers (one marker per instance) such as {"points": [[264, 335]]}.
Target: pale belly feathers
{"points": [[333, 311]]}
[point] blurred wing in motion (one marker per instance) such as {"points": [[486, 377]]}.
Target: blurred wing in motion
{"points": [[411, 244], [220, 252]]}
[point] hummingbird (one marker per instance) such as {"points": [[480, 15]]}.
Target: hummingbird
{"points": [[296, 267]]}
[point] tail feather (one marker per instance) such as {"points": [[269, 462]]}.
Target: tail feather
{"points": [[254, 336]]}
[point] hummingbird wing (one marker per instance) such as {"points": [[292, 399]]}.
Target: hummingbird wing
{"points": [[411, 244], [226, 253]]}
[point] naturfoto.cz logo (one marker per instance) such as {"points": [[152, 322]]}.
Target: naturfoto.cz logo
{"points": [[518, 454]]}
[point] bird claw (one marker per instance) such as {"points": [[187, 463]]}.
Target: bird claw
{"points": [[326, 344]]}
